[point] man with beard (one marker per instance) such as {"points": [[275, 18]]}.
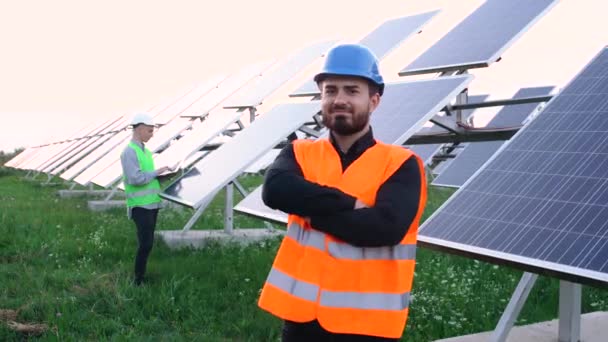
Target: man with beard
{"points": [[344, 270]]}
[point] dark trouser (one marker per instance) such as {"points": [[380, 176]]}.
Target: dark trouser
{"points": [[145, 220], [312, 331]]}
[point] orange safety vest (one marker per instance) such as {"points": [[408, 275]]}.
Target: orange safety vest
{"points": [[348, 289]]}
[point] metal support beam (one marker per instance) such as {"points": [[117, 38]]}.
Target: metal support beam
{"points": [[448, 122], [468, 135], [507, 320], [569, 312], [197, 214], [228, 209], [498, 103], [109, 197], [252, 111], [310, 131]]}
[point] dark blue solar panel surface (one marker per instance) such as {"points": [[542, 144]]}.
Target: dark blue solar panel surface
{"points": [[475, 154], [406, 106], [381, 41], [480, 38], [542, 201]]}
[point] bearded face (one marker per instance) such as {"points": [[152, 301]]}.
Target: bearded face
{"points": [[346, 104]]}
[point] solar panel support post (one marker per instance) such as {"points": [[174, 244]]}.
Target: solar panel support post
{"points": [[569, 312], [462, 98], [109, 197], [228, 211], [252, 111], [197, 214], [516, 303], [245, 193], [49, 177]]}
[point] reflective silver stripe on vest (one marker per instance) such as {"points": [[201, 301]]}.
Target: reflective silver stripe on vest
{"points": [[370, 301], [144, 193], [298, 288], [398, 252], [306, 237]]}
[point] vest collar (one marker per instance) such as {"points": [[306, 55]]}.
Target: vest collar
{"points": [[360, 146]]}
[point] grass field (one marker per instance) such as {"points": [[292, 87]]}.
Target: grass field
{"points": [[70, 269]]}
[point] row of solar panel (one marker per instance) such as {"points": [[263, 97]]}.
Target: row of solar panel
{"points": [[540, 202]]}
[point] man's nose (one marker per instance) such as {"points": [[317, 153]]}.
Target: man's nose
{"points": [[340, 98]]}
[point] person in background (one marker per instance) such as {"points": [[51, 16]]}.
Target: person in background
{"points": [[345, 268], [142, 189]]}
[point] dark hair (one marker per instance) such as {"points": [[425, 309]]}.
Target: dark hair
{"points": [[374, 88]]}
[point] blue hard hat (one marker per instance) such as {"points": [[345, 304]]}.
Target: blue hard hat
{"points": [[352, 60]]}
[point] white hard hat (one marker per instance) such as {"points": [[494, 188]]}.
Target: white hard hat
{"points": [[142, 118]]}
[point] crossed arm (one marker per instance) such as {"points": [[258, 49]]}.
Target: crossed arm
{"points": [[334, 212]]}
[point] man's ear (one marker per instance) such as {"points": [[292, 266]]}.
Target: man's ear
{"points": [[374, 101]]}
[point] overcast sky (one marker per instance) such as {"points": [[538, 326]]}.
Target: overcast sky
{"points": [[66, 64]]}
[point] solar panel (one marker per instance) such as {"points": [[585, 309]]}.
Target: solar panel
{"points": [[253, 205], [201, 134], [427, 151], [475, 154], [168, 113], [404, 108], [382, 40], [227, 88], [219, 168], [52, 150], [75, 144], [481, 38], [113, 171], [88, 167], [19, 158], [263, 162], [254, 94], [168, 132], [83, 144], [121, 125], [541, 202]]}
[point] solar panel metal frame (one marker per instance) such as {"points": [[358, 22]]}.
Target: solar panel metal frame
{"points": [[310, 88], [290, 116], [571, 273], [445, 46]]}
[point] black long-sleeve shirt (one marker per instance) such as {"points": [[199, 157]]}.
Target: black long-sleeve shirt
{"points": [[332, 211]]}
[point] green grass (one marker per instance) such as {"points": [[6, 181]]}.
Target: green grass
{"points": [[70, 268]]}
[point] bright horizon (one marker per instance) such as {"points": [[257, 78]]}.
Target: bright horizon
{"points": [[67, 64]]}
